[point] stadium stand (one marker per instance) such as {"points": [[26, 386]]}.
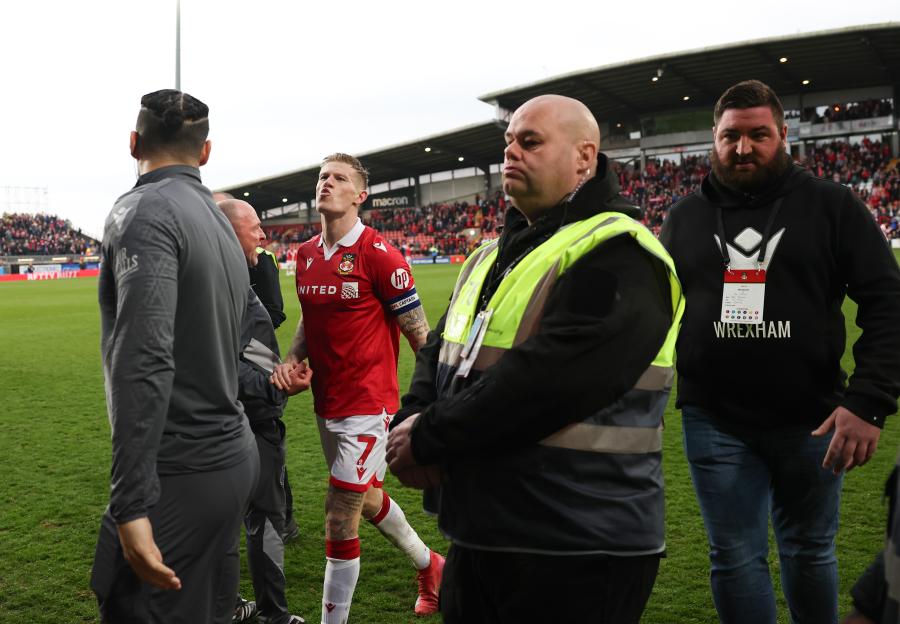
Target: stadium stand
{"points": [[660, 184], [283, 240], [871, 170], [867, 166], [42, 235], [443, 228], [851, 110]]}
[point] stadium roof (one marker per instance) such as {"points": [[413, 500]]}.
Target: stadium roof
{"points": [[834, 60], [837, 60], [478, 145]]}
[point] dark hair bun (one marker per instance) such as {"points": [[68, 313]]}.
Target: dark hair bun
{"points": [[172, 119], [173, 107]]}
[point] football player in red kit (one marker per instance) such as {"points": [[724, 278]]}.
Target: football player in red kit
{"points": [[357, 295]]}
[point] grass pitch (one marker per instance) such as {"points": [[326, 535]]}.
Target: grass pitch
{"points": [[55, 478]]}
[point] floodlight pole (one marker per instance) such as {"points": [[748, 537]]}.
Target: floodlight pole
{"points": [[178, 44]]}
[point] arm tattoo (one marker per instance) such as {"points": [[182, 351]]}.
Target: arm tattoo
{"points": [[414, 326], [298, 346]]}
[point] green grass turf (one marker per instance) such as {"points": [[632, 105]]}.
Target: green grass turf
{"points": [[55, 476]]}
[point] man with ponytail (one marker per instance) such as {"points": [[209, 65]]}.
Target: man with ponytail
{"points": [[173, 289]]}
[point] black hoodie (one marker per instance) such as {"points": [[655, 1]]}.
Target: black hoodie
{"points": [[603, 324], [787, 371]]}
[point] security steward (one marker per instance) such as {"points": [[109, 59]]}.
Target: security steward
{"points": [[264, 405], [264, 279], [537, 401], [265, 282]]}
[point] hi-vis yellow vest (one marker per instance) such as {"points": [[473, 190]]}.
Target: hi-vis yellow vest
{"points": [[593, 487], [517, 305]]}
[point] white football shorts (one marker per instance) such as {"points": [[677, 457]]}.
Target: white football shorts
{"points": [[354, 449]]}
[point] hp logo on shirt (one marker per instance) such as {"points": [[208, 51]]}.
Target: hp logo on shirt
{"points": [[400, 279]]}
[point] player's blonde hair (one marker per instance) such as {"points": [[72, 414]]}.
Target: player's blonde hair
{"points": [[347, 159]]}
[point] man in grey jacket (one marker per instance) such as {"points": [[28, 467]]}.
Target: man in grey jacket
{"points": [[173, 288], [264, 405]]}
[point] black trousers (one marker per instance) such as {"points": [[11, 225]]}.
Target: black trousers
{"points": [[265, 522], [196, 526], [482, 587], [289, 500]]}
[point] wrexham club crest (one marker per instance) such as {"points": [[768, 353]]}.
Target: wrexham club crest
{"points": [[346, 265]]}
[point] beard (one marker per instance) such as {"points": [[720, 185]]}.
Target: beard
{"points": [[754, 180]]}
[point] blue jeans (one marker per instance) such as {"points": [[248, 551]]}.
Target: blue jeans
{"points": [[740, 473]]}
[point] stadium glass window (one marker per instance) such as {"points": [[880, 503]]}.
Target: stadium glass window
{"points": [[379, 188], [681, 121], [440, 176], [398, 184], [468, 172]]}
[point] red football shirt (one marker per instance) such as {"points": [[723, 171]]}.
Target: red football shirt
{"points": [[349, 300]]}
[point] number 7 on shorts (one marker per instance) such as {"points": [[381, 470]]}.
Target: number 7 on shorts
{"points": [[369, 441]]}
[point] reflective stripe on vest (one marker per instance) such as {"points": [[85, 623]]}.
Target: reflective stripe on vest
{"points": [[517, 305], [517, 308], [593, 487]]}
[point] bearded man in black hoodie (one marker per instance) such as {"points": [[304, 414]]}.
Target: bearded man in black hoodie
{"points": [[539, 395], [766, 254]]}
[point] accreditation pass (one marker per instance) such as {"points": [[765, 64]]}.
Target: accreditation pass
{"points": [[743, 296], [473, 343]]}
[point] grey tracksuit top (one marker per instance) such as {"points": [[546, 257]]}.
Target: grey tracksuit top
{"points": [[173, 288]]}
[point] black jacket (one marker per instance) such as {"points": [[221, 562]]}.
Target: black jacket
{"points": [[824, 245], [604, 322], [264, 280], [259, 356]]}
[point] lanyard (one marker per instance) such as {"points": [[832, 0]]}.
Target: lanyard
{"points": [[493, 279], [765, 239]]}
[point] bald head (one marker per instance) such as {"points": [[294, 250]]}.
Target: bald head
{"points": [[236, 209], [573, 118], [245, 223], [552, 144]]}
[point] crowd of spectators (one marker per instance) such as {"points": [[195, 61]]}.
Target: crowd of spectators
{"points": [[857, 110], [440, 228], [282, 240], [42, 235], [660, 184], [868, 167], [277, 237], [871, 170]]}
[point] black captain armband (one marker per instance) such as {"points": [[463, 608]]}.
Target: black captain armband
{"points": [[405, 302]]}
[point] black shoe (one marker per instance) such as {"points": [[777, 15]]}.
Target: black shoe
{"points": [[291, 532], [244, 611]]}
